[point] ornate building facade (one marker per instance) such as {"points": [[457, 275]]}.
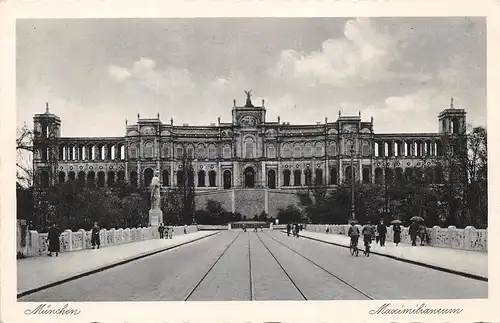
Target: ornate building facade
{"points": [[249, 164]]}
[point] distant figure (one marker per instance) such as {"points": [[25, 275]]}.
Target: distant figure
{"points": [[301, 227], [255, 228], [170, 231], [53, 240], [368, 232], [185, 228], [422, 233], [397, 233], [161, 230], [244, 228], [297, 228], [95, 239], [413, 231], [288, 229], [382, 232]]}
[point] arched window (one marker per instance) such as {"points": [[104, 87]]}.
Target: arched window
{"points": [[101, 177], [122, 151], [318, 176], [319, 149], [121, 176], [297, 151], [379, 176], [190, 151], [165, 178], [348, 145], [366, 148], [132, 151], [376, 149], [180, 178], [71, 176], [133, 178], [271, 179], [308, 150], [226, 152], [201, 152], [286, 151], [81, 177], [332, 148], [179, 151], [201, 178], [297, 177], [286, 177], [366, 175], [148, 150], [111, 178], [429, 173], [165, 150], [211, 178], [308, 177], [62, 177], [333, 176], [227, 179], [249, 148], [62, 152], [212, 151], [271, 151], [148, 176]]}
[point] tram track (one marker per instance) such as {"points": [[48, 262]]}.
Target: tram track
{"points": [[193, 289], [368, 296], [282, 268]]}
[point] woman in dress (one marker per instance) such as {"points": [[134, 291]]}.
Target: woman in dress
{"points": [[53, 239], [95, 238], [397, 233]]}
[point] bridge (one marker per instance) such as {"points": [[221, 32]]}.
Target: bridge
{"points": [[210, 265]]}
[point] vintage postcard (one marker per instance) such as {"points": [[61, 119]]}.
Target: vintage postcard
{"points": [[249, 162]]}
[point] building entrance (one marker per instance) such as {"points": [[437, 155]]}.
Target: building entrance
{"points": [[249, 177]]}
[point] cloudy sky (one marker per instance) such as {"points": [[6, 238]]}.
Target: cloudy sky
{"points": [[95, 73]]}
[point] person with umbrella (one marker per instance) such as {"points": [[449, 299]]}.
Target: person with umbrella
{"points": [[382, 231], [53, 240], [414, 229], [396, 228]]}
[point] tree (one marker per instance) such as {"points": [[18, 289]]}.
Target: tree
{"points": [[289, 214]]}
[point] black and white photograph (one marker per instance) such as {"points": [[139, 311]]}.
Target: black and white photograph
{"points": [[251, 159]]}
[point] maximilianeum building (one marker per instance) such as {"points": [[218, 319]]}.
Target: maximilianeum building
{"points": [[249, 164]]}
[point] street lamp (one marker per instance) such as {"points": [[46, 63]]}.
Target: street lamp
{"points": [[353, 215]]}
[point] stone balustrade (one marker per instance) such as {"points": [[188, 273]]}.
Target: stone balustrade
{"points": [[37, 245], [469, 238]]}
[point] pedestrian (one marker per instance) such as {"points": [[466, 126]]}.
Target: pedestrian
{"points": [[288, 229], [382, 231], [161, 230], [53, 240], [95, 238], [413, 231], [368, 232], [422, 232], [170, 231], [397, 233], [185, 228], [297, 228]]}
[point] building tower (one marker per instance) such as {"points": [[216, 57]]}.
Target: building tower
{"points": [[47, 131], [452, 121]]}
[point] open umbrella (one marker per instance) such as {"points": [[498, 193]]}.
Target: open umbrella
{"points": [[396, 222], [417, 218]]}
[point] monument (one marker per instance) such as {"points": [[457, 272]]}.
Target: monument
{"points": [[155, 213]]}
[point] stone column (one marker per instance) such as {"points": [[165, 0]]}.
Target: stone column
{"points": [[263, 175]]}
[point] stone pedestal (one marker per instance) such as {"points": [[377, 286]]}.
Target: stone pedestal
{"points": [[155, 217]]}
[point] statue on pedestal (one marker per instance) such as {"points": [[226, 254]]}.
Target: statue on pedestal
{"points": [[155, 213], [249, 101]]}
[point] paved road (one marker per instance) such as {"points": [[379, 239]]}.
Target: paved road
{"points": [[267, 265]]}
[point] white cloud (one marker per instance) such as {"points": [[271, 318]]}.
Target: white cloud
{"points": [[144, 72], [118, 73], [363, 54]]}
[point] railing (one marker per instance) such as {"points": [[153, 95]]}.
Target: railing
{"points": [[469, 238]]}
